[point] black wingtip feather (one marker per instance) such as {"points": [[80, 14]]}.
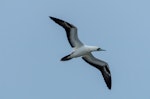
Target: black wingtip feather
{"points": [[108, 82], [52, 18], [60, 22], [107, 76]]}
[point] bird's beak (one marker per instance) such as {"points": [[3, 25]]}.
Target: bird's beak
{"points": [[102, 50]]}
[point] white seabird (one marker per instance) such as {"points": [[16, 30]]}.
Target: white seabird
{"points": [[84, 51]]}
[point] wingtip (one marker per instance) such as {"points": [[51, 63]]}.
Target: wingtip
{"points": [[107, 76], [56, 19], [108, 82], [109, 87], [51, 17]]}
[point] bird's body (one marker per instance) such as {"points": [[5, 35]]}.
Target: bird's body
{"points": [[84, 51], [81, 51]]}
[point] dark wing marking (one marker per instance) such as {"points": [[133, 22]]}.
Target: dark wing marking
{"points": [[101, 65], [71, 32]]}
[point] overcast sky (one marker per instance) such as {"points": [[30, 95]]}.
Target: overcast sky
{"points": [[31, 46]]}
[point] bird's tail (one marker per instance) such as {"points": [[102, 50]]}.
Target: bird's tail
{"points": [[66, 58]]}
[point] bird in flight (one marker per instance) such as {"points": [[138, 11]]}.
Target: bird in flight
{"points": [[84, 51]]}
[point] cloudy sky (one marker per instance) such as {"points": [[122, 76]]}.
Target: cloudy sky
{"points": [[31, 46]]}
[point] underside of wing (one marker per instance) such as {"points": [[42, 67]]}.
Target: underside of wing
{"points": [[100, 65], [71, 32]]}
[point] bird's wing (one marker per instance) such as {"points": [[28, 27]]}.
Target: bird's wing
{"points": [[101, 65], [71, 32]]}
